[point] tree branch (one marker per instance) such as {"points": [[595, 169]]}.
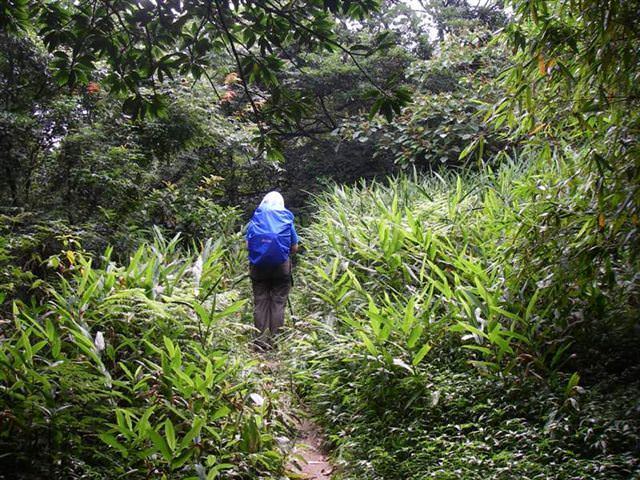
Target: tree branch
{"points": [[236, 56]]}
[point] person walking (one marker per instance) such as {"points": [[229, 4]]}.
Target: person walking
{"points": [[271, 240]]}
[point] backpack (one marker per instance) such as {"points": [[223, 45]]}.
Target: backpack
{"points": [[269, 236]]}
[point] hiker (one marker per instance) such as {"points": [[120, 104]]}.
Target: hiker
{"points": [[271, 239]]}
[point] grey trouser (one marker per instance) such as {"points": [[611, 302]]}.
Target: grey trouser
{"points": [[271, 287]]}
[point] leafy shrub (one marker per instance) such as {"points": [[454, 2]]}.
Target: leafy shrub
{"points": [[26, 241], [135, 370], [448, 303], [445, 421]]}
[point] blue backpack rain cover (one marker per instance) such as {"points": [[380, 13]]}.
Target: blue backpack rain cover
{"points": [[270, 235]]}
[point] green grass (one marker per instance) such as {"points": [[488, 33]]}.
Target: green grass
{"points": [[138, 370], [473, 326]]}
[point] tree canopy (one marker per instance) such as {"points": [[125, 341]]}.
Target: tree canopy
{"points": [[139, 44]]}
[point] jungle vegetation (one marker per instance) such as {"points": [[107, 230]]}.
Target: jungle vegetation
{"points": [[467, 180]]}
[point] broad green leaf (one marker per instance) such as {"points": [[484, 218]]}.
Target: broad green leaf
{"points": [[170, 434], [417, 358], [113, 442]]}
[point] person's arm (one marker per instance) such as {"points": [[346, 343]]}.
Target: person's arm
{"points": [[294, 240]]}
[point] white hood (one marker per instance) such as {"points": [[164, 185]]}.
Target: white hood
{"points": [[273, 200]]}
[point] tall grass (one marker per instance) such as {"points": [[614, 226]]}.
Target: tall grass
{"points": [[506, 260], [484, 282], [136, 370]]}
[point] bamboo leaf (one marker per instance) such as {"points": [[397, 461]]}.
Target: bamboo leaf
{"points": [[417, 358]]}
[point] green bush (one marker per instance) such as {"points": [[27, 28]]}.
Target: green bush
{"points": [[448, 345], [135, 370]]}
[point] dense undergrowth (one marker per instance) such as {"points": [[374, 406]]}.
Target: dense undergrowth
{"points": [[473, 326], [136, 369]]}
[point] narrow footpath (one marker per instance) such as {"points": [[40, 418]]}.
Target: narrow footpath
{"points": [[308, 459]]}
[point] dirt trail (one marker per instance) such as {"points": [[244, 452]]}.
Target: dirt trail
{"points": [[308, 459]]}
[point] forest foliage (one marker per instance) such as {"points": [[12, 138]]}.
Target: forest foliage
{"points": [[443, 335], [467, 175]]}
